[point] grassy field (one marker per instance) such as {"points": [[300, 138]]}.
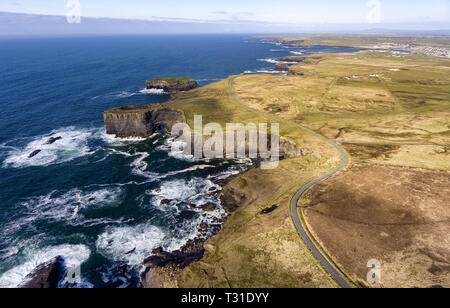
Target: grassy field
{"points": [[365, 98]]}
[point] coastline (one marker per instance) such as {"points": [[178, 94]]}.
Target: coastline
{"points": [[163, 269]]}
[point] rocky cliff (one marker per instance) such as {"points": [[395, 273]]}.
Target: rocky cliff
{"points": [[45, 276], [296, 59], [140, 121], [145, 120], [170, 85], [281, 67]]}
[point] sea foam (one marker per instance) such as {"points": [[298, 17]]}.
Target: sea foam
{"points": [[74, 144], [74, 256]]}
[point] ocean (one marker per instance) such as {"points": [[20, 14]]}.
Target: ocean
{"points": [[95, 199]]}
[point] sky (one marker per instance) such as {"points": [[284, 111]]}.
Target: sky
{"points": [[272, 11]]}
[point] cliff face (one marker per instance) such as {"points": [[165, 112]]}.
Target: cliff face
{"points": [[281, 67], [45, 276], [140, 121], [296, 59], [172, 84], [143, 121]]}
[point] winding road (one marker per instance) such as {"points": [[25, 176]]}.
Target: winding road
{"points": [[294, 213]]}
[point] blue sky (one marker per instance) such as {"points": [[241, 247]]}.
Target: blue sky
{"points": [[278, 11]]}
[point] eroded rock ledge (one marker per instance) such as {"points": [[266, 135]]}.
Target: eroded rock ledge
{"points": [[174, 84], [140, 121], [45, 276]]}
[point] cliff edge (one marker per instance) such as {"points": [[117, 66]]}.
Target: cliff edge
{"points": [[174, 84], [141, 120]]}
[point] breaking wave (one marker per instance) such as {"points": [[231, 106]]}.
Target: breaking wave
{"points": [[74, 256], [72, 143]]}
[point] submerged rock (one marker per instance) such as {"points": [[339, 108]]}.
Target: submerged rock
{"points": [[45, 276], [131, 251], [166, 202], [53, 140], [208, 207], [34, 153], [176, 84]]}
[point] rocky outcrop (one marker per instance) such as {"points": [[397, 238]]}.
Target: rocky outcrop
{"points": [[281, 67], [140, 121], [34, 153], [289, 149], [171, 85], [52, 140], [293, 72], [231, 199], [45, 276], [296, 59], [169, 263]]}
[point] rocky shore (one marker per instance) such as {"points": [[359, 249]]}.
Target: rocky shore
{"points": [[163, 269]]}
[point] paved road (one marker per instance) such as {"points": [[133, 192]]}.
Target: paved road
{"points": [[294, 213]]}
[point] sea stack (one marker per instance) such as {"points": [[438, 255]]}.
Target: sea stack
{"points": [[173, 84]]}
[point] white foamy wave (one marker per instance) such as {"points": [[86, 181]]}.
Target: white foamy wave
{"points": [[74, 256], [125, 94], [271, 72], [131, 244], [69, 206], [153, 91], [116, 141], [195, 191], [269, 60], [296, 53], [73, 144], [175, 149], [193, 168], [265, 71], [139, 166]]}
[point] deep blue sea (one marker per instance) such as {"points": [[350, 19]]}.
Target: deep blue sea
{"points": [[91, 197]]}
